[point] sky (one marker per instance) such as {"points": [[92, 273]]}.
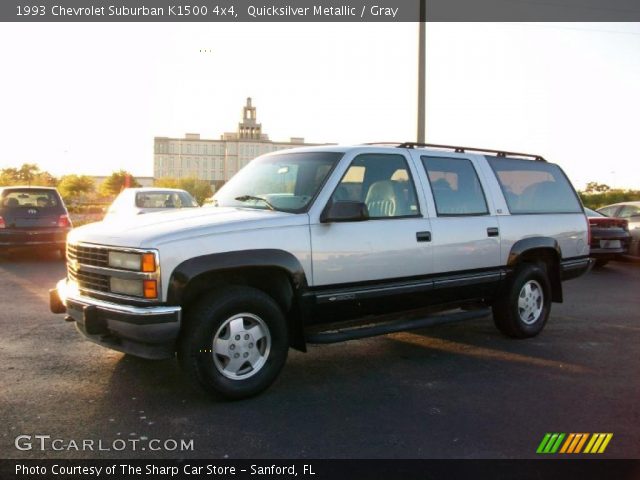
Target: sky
{"points": [[89, 98]]}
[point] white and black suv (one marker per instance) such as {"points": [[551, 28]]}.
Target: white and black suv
{"points": [[300, 244]]}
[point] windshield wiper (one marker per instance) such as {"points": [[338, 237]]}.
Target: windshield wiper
{"points": [[244, 198]]}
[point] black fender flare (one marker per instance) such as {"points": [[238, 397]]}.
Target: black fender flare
{"points": [[222, 262], [519, 251]]}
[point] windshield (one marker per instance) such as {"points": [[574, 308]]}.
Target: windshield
{"points": [[287, 182]]}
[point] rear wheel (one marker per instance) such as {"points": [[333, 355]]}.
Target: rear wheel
{"points": [[523, 308], [235, 342]]}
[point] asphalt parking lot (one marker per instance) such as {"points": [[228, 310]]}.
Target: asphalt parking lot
{"points": [[455, 391]]}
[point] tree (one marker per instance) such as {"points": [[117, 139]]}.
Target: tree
{"points": [[116, 182], [595, 187], [199, 189], [27, 174], [72, 186], [9, 176], [45, 179]]}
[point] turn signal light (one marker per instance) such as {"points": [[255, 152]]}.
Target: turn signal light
{"points": [[2, 224], [64, 222], [150, 289], [148, 262]]}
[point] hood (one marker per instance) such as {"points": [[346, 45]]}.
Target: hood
{"points": [[154, 229]]}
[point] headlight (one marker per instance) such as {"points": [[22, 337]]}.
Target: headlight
{"points": [[140, 262], [127, 287], [128, 261]]}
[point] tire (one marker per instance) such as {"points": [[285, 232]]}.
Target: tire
{"points": [[601, 263], [523, 308], [225, 327]]}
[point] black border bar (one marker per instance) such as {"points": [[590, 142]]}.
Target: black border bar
{"points": [[319, 10], [548, 469]]}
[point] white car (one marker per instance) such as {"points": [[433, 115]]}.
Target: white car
{"points": [[323, 244], [136, 201]]}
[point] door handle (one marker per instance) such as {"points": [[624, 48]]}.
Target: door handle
{"points": [[493, 231], [423, 236]]}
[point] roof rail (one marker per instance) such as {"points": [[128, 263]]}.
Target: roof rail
{"points": [[499, 153]]}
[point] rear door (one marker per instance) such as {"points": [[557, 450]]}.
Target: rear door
{"points": [[465, 230]]}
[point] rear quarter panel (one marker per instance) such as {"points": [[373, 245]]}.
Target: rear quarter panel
{"points": [[571, 230]]}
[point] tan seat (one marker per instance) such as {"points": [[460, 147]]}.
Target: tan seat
{"points": [[383, 201]]}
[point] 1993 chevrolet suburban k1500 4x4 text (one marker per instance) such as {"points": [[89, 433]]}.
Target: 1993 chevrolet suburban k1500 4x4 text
{"points": [[300, 241]]}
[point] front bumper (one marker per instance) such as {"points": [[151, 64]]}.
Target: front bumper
{"points": [[148, 332]]}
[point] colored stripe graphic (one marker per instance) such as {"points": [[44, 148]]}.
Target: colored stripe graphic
{"points": [[550, 443], [543, 443], [567, 443], [581, 443], [598, 442], [553, 443]]}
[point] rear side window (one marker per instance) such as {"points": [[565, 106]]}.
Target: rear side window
{"points": [[455, 186], [164, 200], [629, 211], [534, 187], [30, 198]]}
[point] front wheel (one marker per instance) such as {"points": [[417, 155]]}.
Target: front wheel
{"points": [[235, 342], [523, 308]]}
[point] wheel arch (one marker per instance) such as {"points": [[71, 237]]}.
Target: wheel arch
{"points": [[540, 249], [276, 272]]}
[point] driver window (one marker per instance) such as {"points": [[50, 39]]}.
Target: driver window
{"points": [[381, 181]]}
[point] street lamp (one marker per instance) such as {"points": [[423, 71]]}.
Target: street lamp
{"points": [[422, 40]]}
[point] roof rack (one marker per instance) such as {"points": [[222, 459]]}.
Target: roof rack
{"points": [[456, 149]]}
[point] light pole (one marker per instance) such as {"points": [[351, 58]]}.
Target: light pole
{"points": [[422, 40]]}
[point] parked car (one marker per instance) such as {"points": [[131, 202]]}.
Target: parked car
{"points": [[136, 201], [33, 217], [631, 212], [610, 237], [302, 241]]}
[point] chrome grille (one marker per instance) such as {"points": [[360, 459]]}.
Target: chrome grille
{"points": [[97, 257], [89, 280], [88, 268]]}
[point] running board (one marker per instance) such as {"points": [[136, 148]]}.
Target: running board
{"points": [[335, 336]]}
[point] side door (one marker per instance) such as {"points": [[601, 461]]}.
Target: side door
{"points": [[392, 244], [465, 229]]}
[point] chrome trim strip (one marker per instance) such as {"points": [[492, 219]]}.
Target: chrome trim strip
{"points": [[65, 294], [432, 283], [114, 272]]}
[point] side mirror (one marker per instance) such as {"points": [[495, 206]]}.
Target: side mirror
{"points": [[344, 211]]}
